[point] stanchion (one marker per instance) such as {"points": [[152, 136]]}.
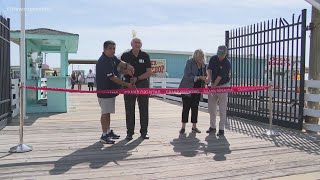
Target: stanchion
{"points": [[270, 132], [21, 148]]}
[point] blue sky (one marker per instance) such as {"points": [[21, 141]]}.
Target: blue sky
{"points": [[183, 25]]}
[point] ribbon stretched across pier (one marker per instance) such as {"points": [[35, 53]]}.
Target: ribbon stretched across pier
{"points": [[153, 91]]}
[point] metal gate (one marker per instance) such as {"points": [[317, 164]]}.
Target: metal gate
{"points": [[5, 79], [273, 51]]}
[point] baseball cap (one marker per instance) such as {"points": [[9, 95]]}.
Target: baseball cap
{"points": [[222, 50]]}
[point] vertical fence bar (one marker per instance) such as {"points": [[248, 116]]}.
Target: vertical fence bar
{"points": [[232, 59], [292, 67], [256, 69], [246, 68], [275, 68], [266, 54], [227, 39], [228, 56], [283, 89], [296, 58], [242, 67], [284, 101], [7, 60], [252, 38], [287, 74], [238, 50], [2, 85], [302, 67], [260, 65], [278, 72], [2, 42], [271, 54], [239, 100]]}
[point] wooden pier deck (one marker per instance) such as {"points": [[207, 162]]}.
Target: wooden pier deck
{"points": [[66, 147]]}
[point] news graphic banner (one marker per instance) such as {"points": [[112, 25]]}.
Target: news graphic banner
{"points": [[154, 91]]}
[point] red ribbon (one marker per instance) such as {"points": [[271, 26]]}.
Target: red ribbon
{"points": [[151, 91]]}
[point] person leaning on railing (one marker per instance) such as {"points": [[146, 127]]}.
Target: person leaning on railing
{"points": [[195, 76]]}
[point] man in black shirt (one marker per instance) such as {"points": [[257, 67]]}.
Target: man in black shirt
{"points": [[142, 65], [107, 78], [219, 74]]}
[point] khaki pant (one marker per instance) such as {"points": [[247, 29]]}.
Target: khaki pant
{"points": [[214, 100], [107, 105]]}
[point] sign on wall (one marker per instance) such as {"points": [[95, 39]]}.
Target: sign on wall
{"points": [[158, 68]]}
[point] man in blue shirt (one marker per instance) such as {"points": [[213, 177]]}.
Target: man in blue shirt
{"points": [[219, 74], [107, 78]]}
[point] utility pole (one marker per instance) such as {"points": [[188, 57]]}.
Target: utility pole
{"points": [[314, 61]]}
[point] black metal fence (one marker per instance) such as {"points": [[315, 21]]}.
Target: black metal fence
{"points": [[273, 51], [5, 80]]}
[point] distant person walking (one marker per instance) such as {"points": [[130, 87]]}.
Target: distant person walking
{"points": [[73, 80], [90, 79], [80, 81]]}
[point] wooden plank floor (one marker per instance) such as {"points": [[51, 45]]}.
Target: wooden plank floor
{"points": [[66, 147]]}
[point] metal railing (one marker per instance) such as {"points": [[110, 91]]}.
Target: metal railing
{"points": [[5, 80], [269, 51], [174, 83]]}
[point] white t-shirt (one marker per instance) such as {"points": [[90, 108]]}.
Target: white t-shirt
{"points": [[90, 77]]}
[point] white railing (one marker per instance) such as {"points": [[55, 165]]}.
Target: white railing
{"points": [[312, 98], [15, 97], [171, 83], [174, 83]]}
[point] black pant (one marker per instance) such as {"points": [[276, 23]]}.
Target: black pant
{"points": [[90, 85], [72, 85], [190, 102], [143, 103]]}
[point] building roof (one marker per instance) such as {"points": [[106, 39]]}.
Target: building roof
{"points": [[94, 61], [171, 52], [45, 31], [48, 40], [82, 61], [314, 3]]}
